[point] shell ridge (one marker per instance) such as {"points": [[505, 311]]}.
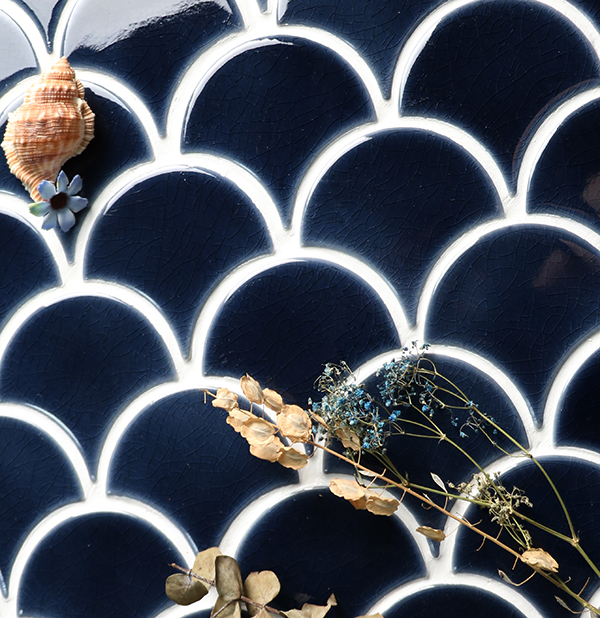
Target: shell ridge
{"points": [[53, 124]]}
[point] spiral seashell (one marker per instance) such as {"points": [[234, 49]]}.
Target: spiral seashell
{"points": [[53, 124]]}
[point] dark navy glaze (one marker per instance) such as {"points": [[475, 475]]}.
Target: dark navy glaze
{"points": [[290, 99], [27, 266], [181, 456], [397, 201], [578, 484], [174, 237], [567, 178], [108, 563], [496, 80], [320, 545], [521, 296], [147, 46], [577, 422], [284, 325], [28, 458], [454, 602], [84, 360], [377, 30]]}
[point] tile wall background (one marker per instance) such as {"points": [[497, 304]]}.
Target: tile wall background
{"points": [[273, 185]]}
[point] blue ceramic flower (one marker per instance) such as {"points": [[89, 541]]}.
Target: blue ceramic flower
{"points": [[59, 202]]}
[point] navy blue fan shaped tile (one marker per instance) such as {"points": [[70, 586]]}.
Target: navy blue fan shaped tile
{"points": [[83, 360], [119, 143], [578, 483], [147, 45], [46, 12], [418, 458], [578, 420], [28, 459], [27, 265], [21, 61], [522, 297], [320, 545], [290, 98], [285, 324], [173, 237], [98, 566], [398, 200], [454, 602], [567, 177], [376, 30], [182, 457], [494, 68]]}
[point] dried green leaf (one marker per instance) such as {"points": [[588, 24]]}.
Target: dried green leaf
{"points": [[294, 423], [540, 559], [228, 579], [227, 609], [204, 564], [262, 587], [435, 534], [251, 388], [184, 589]]}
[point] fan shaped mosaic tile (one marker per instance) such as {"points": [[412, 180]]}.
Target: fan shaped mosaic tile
{"points": [[274, 185]]}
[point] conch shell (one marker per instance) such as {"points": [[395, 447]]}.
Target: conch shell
{"points": [[53, 124]]}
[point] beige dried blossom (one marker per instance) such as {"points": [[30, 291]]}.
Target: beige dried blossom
{"points": [[237, 419], [540, 559], [257, 431], [251, 388], [273, 400], [294, 423], [348, 438], [362, 498], [289, 457], [225, 399], [270, 451]]}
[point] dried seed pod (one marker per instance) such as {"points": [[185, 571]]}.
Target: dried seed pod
{"points": [[53, 124]]}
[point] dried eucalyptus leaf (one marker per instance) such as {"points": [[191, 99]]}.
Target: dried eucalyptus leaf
{"points": [[184, 589], [227, 609], [263, 613], [262, 587], [228, 578], [312, 611], [204, 564], [371, 616], [378, 505]]}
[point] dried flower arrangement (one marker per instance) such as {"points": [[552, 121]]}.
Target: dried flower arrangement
{"points": [[354, 426]]}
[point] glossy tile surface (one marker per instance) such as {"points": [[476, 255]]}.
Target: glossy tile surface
{"points": [[274, 185]]}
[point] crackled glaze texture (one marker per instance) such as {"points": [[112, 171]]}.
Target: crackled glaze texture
{"points": [[273, 185]]}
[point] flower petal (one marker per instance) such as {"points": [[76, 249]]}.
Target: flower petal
{"points": [[61, 182], [66, 219], [46, 189], [75, 186], [50, 220], [39, 208], [75, 204]]}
